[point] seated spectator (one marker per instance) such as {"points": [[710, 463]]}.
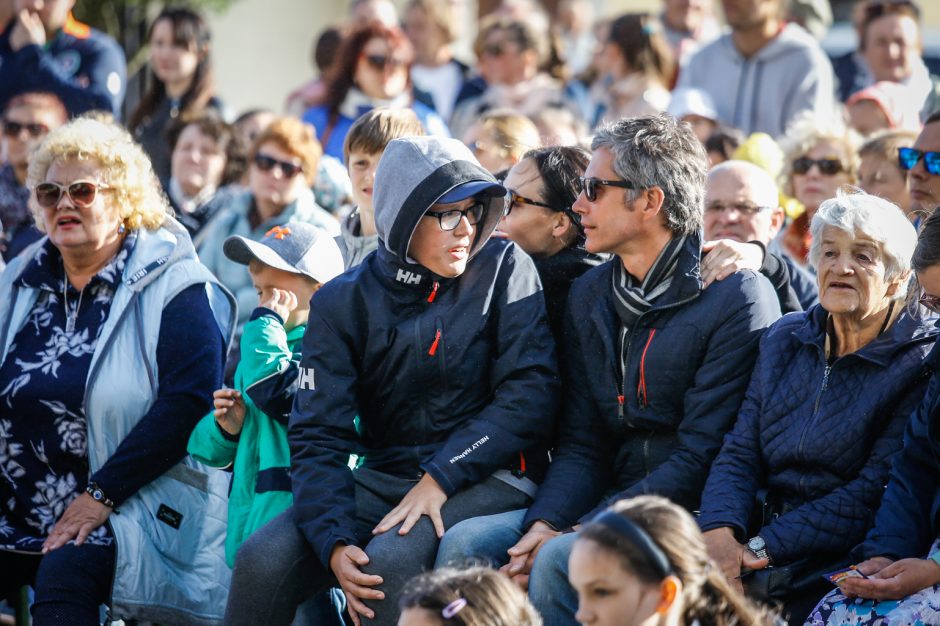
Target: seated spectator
{"points": [[900, 552], [476, 596], [181, 82], [365, 144], [45, 49], [559, 127], [922, 163], [438, 441], [432, 28], [283, 163], [205, 158], [883, 106], [695, 107], [688, 25], [880, 172], [540, 190], [27, 119], [641, 68], [722, 144], [780, 493], [249, 125], [510, 55], [371, 71], [818, 162], [287, 267], [99, 502], [655, 366], [742, 216], [746, 70], [313, 92], [573, 29], [500, 138], [643, 561]]}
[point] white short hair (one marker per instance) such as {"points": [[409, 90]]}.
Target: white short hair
{"points": [[855, 211]]}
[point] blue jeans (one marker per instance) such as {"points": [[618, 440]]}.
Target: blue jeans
{"points": [[488, 538]]}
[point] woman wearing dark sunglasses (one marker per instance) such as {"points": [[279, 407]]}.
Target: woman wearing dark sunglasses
{"points": [[109, 353], [432, 361], [282, 166], [371, 70], [540, 190]]}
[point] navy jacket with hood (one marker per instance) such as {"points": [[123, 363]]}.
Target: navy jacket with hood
{"points": [[689, 361], [415, 373], [908, 521], [818, 436]]}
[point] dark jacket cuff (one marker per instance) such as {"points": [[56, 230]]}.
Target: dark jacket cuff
{"points": [[263, 311]]}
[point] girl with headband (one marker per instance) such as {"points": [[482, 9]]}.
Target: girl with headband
{"points": [[643, 562]]}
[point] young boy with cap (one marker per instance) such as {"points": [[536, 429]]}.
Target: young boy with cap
{"points": [[248, 428]]}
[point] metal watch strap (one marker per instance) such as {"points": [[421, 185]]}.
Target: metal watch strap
{"points": [[98, 495]]}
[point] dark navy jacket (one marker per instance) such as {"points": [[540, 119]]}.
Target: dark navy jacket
{"points": [[689, 361], [85, 68], [818, 437], [418, 374], [907, 522]]}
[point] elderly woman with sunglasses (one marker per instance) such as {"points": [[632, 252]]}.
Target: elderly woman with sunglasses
{"points": [[798, 478], [111, 344], [282, 166], [900, 558], [371, 70]]}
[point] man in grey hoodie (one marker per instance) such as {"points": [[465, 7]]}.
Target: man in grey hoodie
{"points": [[765, 72]]}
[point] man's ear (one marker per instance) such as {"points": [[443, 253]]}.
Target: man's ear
{"points": [[654, 199], [777, 217]]}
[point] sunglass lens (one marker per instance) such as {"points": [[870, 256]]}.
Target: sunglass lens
{"points": [[264, 163], [82, 193], [907, 158], [932, 163], [290, 170], [802, 165], [48, 194], [829, 167]]}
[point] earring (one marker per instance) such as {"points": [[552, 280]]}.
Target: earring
{"points": [[121, 229]]}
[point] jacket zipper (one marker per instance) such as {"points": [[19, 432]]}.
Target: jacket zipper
{"points": [[823, 387], [433, 293], [437, 339], [641, 387], [646, 454]]}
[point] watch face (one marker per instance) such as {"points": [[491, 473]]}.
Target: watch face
{"points": [[97, 494], [756, 543]]}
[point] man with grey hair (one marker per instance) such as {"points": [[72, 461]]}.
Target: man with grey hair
{"points": [[742, 216], [655, 365]]}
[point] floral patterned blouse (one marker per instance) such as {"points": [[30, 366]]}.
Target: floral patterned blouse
{"points": [[43, 451]]}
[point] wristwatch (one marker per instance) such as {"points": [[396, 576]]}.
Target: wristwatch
{"points": [[97, 494], [758, 547]]}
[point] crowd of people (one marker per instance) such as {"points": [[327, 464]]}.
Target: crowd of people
{"points": [[631, 321]]}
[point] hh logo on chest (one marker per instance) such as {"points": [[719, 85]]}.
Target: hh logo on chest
{"points": [[306, 379], [409, 278]]}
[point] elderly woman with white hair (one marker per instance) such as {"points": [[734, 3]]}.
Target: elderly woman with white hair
{"points": [[798, 479]]}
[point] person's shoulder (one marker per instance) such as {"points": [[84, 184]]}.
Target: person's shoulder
{"points": [[720, 46], [592, 284], [746, 285]]}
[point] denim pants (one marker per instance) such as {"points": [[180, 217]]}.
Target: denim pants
{"points": [[486, 539], [70, 583], [276, 568]]}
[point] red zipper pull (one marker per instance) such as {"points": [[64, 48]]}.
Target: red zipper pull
{"points": [[620, 406], [437, 340], [434, 293]]}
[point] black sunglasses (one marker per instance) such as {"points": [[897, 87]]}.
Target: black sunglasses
{"points": [[381, 62], [13, 129], [827, 167], [449, 220], [589, 186], [512, 198], [908, 158], [266, 163]]}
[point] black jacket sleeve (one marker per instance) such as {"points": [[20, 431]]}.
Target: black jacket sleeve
{"points": [[777, 272]]}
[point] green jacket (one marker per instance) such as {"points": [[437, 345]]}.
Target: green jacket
{"points": [[260, 458]]}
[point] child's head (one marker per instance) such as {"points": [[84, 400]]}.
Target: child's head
{"points": [[295, 257], [644, 559], [366, 142], [477, 596]]}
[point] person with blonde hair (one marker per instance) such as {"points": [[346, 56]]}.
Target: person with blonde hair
{"points": [[643, 561], [475, 596], [112, 341], [879, 171], [500, 138]]}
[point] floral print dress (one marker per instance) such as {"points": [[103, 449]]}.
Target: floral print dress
{"points": [[43, 448]]}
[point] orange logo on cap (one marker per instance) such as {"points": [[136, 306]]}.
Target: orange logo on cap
{"points": [[278, 232]]}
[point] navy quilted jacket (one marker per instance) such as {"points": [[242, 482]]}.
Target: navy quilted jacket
{"points": [[818, 437], [907, 522]]}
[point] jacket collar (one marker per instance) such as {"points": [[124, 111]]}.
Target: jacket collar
{"points": [[410, 281], [687, 278], [46, 272]]}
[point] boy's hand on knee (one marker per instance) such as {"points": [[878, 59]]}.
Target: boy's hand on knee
{"points": [[425, 498], [229, 410], [345, 562]]}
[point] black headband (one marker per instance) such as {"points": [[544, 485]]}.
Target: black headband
{"points": [[639, 538]]}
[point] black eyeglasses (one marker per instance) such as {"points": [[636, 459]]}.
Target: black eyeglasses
{"points": [[931, 302], [827, 167], [381, 62], [908, 158], [744, 208], [266, 163], [82, 193], [512, 198], [449, 220], [589, 186], [13, 129]]}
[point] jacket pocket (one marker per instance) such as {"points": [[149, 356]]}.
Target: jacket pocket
{"points": [[175, 506]]}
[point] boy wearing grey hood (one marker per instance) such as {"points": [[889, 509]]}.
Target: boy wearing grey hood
{"points": [[433, 363]]}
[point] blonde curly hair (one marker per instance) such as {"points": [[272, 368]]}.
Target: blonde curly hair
{"points": [[124, 167]]}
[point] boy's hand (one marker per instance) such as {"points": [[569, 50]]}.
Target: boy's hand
{"points": [[229, 410], [346, 563], [281, 301], [425, 498]]}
